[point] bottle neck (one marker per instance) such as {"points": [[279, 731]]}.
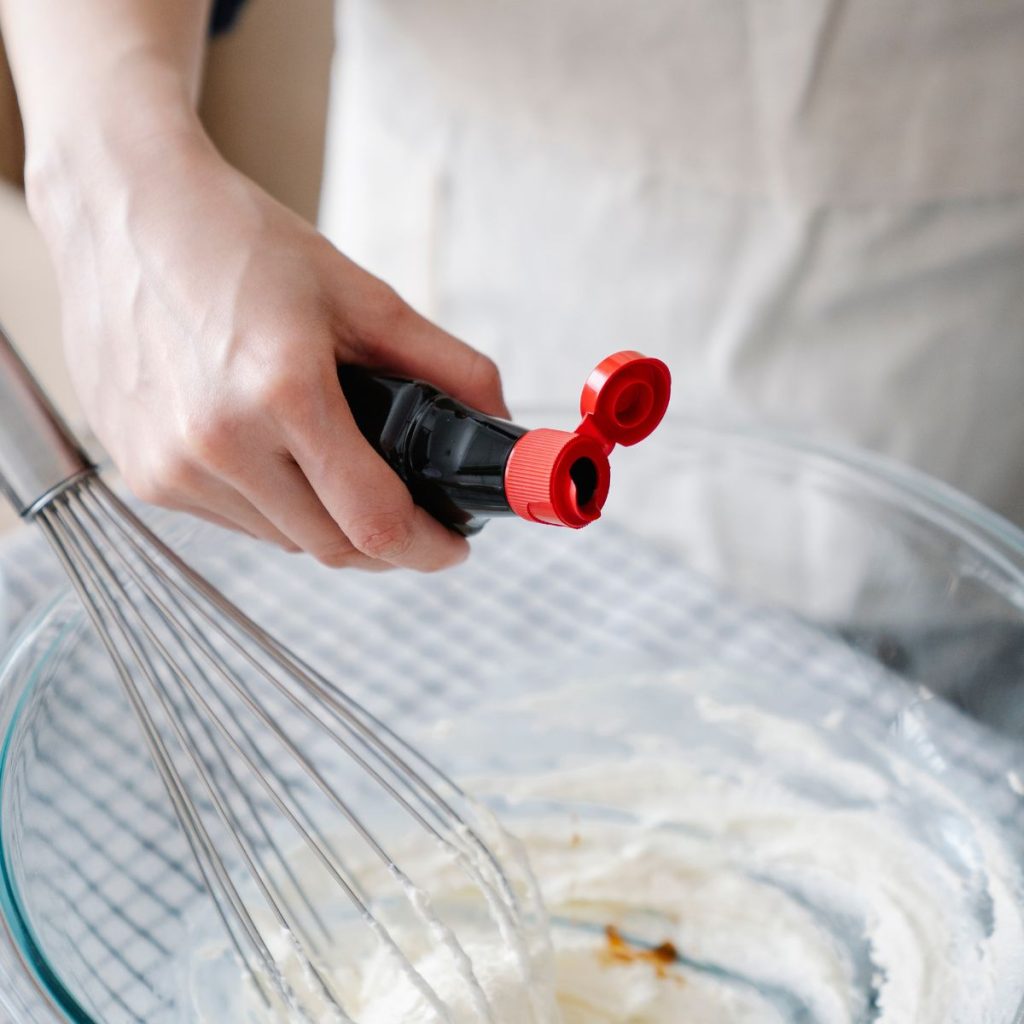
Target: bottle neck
{"points": [[451, 457]]}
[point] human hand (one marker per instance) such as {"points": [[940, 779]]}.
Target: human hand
{"points": [[203, 327]]}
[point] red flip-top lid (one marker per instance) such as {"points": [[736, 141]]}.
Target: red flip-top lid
{"points": [[625, 399], [562, 477]]}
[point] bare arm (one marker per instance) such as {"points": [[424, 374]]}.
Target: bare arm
{"points": [[203, 322], [97, 72]]}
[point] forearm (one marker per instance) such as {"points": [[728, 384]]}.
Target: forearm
{"points": [[97, 79]]}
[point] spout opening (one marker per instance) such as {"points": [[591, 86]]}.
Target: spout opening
{"points": [[584, 477]]}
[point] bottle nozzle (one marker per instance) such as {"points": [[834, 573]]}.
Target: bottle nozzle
{"points": [[557, 477], [562, 477]]}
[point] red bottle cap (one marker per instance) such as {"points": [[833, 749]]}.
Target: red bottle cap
{"points": [[625, 399], [561, 477], [557, 477]]}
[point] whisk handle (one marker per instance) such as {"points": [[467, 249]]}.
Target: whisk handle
{"points": [[38, 454]]}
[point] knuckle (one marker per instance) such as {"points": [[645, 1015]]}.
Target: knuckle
{"points": [[336, 555], [147, 487], [485, 374], [388, 303], [176, 474], [166, 477], [281, 390], [211, 439], [435, 567], [386, 535], [447, 560], [385, 310]]}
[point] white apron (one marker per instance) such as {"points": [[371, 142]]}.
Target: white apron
{"points": [[813, 210]]}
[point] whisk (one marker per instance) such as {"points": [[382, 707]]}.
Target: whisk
{"points": [[317, 832]]}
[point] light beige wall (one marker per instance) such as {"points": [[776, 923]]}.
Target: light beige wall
{"points": [[29, 305], [264, 99], [265, 96], [264, 103], [12, 142]]}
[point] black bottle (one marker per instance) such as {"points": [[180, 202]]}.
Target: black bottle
{"points": [[465, 467]]}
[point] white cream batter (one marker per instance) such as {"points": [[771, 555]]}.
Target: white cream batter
{"points": [[780, 878]]}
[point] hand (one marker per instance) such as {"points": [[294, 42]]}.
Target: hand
{"points": [[203, 326]]}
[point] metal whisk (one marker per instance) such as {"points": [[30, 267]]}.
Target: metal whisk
{"points": [[297, 803]]}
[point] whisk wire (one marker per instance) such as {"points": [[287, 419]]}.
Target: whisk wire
{"points": [[115, 562], [250, 745], [192, 819], [345, 712], [54, 527]]}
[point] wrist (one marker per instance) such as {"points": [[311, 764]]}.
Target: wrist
{"points": [[107, 136]]}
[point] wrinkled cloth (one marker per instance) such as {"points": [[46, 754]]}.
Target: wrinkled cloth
{"points": [[814, 209]]}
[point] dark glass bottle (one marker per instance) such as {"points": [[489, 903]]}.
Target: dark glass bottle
{"points": [[465, 467]]}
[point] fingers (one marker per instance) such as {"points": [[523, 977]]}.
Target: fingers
{"points": [[181, 484], [393, 335], [272, 448], [288, 464], [211, 517], [361, 494], [220, 503], [272, 502], [280, 491]]}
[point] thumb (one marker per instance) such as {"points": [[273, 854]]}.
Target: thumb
{"points": [[401, 341]]}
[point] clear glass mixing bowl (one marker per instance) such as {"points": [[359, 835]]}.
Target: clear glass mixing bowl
{"points": [[831, 582]]}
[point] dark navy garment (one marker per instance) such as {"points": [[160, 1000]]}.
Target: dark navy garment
{"points": [[224, 15]]}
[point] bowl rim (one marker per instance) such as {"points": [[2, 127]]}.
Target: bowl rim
{"points": [[13, 915]]}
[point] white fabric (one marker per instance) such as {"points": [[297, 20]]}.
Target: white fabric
{"points": [[813, 209]]}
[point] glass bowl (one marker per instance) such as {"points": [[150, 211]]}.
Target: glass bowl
{"points": [[735, 573]]}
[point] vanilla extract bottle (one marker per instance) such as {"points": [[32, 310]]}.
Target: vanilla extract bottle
{"points": [[465, 467]]}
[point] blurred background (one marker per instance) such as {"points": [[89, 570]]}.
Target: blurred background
{"points": [[265, 104], [816, 215]]}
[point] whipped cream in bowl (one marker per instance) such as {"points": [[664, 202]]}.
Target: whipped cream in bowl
{"points": [[711, 848]]}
